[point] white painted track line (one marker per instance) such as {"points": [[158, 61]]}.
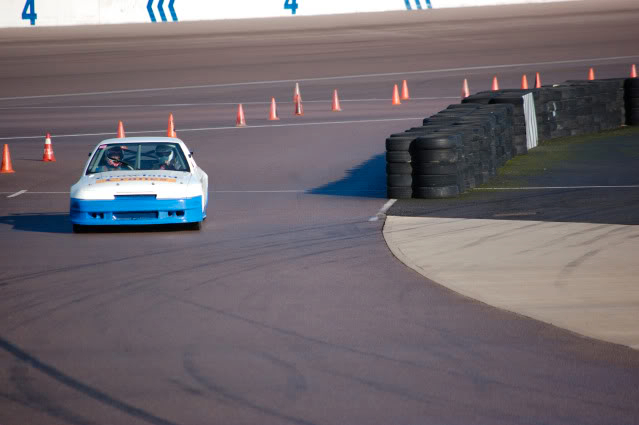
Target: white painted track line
{"points": [[183, 130], [178, 105], [17, 194], [382, 211], [340, 77]]}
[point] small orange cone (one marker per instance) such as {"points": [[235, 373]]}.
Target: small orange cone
{"points": [[524, 82], [241, 121], [48, 150], [297, 99], [6, 161], [336, 106], [273, 112], [465, 90], [633, 71], [495, 84], [537, 81], [121, 130], [405, 95], [591, 74], [396, 100], [170, 131]]}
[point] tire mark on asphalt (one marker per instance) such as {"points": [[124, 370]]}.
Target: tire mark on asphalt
{"points": [[81, 387], [205, 382], [294, 334]]}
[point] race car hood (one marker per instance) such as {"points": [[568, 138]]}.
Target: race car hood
{"points": [[163, 184]]}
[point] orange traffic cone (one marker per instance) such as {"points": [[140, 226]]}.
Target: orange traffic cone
{"points": [[48, 150], [170, 131], [524, 82], [465, 90], [633, 71], [121, 130], [537, 81], [336, 106], [241, 121], [405, 95], [591, 74], [6, 161], [297, 99], [495, 84], [273, 113], [396, 100]]}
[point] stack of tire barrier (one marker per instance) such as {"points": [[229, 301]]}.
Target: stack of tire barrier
{"points": [[462, 146], [631, 87], [454, 150]]}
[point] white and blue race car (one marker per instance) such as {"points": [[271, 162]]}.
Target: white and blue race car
{"points": [[139, 181]]}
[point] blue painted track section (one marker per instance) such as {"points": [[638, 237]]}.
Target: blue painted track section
{"points": [[135, 211]]}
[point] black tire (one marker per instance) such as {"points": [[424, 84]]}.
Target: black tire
{"points": [[438, 141], [633, 117], [398, 156], [399, 180], [631, 83], [195, 226], [435, 180], [447, 156], [78, 228], [399, 192], [395, 144], [399, 168], [436, 192], [434, 168]]}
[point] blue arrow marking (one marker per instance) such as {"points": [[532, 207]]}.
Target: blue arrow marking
{"points": [[174, 15], [149, 8], [418, 4], [161, 10], [430, 6], [408, 5]]}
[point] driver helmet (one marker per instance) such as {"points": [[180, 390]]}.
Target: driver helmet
{"points": [[115, 154], [164, 153]]}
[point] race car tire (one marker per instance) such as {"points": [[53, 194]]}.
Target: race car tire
{"points": [[399, 192], [196, 225], [436, 192], [78, 228]]}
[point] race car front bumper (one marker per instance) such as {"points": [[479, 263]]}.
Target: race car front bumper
{"points": [[135, 210]]}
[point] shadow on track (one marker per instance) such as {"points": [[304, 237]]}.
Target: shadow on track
{"points": [[367, 180], [60, 223], [45, 223]]}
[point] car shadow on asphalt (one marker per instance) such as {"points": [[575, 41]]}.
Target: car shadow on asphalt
{"points": [[367, 180], [60, 223], [36, 222]]}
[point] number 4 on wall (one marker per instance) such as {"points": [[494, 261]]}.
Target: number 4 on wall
{"points": [[28, 13], [292, 5]]}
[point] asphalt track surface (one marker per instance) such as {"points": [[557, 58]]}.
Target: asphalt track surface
{"points": [[287, 307]]}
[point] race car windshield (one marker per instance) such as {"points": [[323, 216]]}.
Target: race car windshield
{"points": [[138, 156]]}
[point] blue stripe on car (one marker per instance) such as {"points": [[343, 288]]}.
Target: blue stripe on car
{"points": [[135, 210]]}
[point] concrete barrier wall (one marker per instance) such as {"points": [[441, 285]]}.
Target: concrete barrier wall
{"points": [[462, 146], [21, 13]]}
